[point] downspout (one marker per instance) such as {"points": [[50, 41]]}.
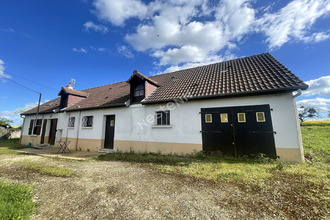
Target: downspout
{"points": [[23, 125], [67, 131], [297, 94], [302, 157], [78, 129]]}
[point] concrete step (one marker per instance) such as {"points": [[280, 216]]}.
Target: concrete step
{"points": [[43, 146], [108, 151]]}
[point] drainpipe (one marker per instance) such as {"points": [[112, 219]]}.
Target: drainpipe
{"points": [[78, 129], [297, 94], [67, 130], [20, 138]]}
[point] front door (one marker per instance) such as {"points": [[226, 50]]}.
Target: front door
{"points": [[237, 131], [52, 131], [109, 132]]}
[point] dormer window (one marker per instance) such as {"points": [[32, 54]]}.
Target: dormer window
{"points": [[140, 87], [139, 90]]}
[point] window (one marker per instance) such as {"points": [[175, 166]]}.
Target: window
{"points": [[224, 117], [260, 116], [208, 118], [139, 90], [87, 121], [163, 118], [71, 122], [241, 117], [35, 127]]}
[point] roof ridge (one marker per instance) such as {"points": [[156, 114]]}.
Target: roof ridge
{"points": [[231, 60]]}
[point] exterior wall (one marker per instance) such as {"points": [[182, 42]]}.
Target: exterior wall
{"points": [[34, 140], [135, 128], [149, 88]]}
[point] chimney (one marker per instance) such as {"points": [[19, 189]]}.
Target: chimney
{"points": [[69, 86]]}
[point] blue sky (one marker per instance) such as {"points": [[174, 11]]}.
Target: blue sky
{"points": [[44, 44]]}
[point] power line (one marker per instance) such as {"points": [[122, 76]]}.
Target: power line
{"points": [[19, 84], [31, 81]]}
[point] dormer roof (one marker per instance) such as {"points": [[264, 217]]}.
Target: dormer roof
{"points": [[143, 77], [65, 90]]}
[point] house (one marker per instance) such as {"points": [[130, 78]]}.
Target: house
{"points": [[242, 106]]}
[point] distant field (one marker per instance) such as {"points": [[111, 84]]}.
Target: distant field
{"points": [[315, 123]]}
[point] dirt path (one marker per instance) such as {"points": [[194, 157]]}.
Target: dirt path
{"points": [[119, 190]]}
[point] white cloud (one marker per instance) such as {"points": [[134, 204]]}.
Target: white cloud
{"points": [[175, 36], [81, 50], [2, 71], [193, 32], [90, 26], [123, 50], [15, 114], [293, 21], [319, 87], [316, 37], [117, 12], [9, 30], [320, 104], [99, 49]]}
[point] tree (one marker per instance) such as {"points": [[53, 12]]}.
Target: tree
{"points": [[5, 121], [305, 113]]}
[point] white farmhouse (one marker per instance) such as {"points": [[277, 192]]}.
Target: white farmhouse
{"points": [[240, 107]]}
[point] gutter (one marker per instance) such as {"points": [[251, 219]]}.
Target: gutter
{"points": [[236, 94]]}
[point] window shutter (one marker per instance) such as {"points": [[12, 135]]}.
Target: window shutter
{"points": [[31, 126]]}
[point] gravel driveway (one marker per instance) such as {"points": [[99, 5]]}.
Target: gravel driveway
{"points": [[120, 190]]}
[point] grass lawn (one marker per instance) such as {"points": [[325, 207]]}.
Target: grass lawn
{"points": [[15, 201], [316, 141], [9, 146]]}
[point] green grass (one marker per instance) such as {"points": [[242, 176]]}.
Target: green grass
{"points": [[316, 142], [45, 169], [9, 146], [15, 201]]}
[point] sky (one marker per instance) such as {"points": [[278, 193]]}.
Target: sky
{"points": [[45, 44]]}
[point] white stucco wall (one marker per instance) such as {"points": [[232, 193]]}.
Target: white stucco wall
{"points": [[132, 122]]}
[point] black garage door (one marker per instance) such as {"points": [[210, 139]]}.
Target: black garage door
{"points": [[237, 131]]}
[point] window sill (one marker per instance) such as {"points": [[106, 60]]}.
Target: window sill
{"points": [[70, 127], [34, 135], [87, 127], [162, 126]]}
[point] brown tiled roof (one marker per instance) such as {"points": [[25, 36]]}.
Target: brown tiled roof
{"points": [[47, 107], [255, 74], [73, 92], [258, 74]]}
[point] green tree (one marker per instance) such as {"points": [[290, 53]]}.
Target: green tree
{"points": [[5, 121], [305, 113]]}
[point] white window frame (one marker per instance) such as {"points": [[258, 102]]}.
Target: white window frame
{"points": [[238, 118], [263, 114], [208, 121], [70, 123], [85, 121]]}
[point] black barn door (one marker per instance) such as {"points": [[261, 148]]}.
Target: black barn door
{"points": [[237, 131], [109, 132], [256, 134], [217, 132]]}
